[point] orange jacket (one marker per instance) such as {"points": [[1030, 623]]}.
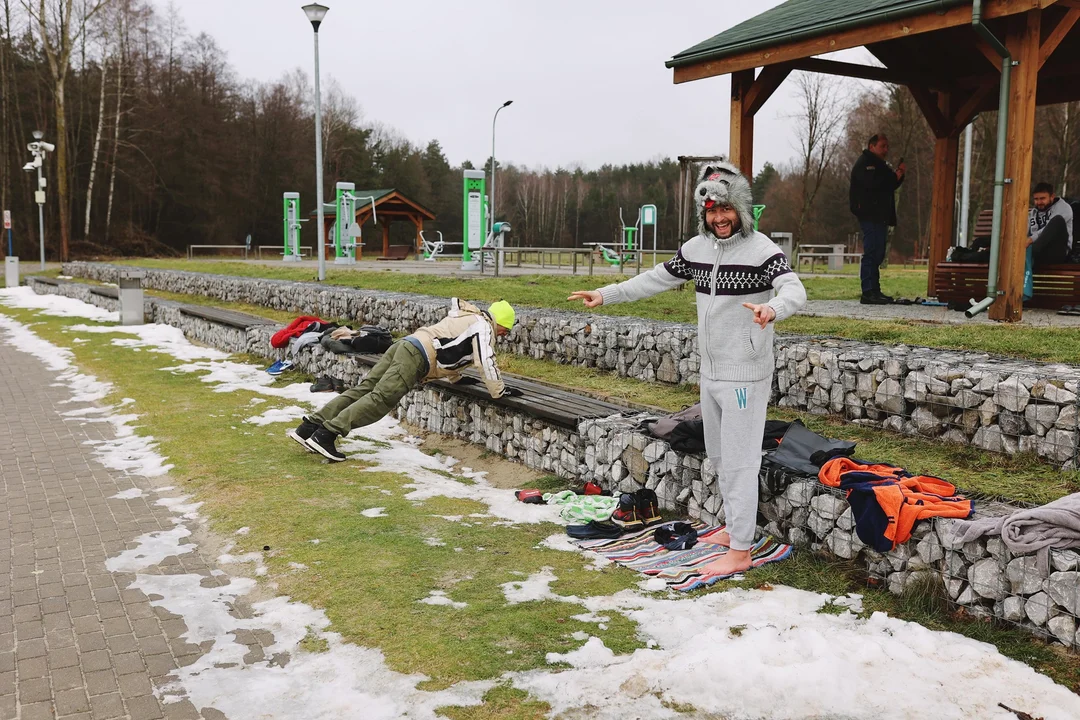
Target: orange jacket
{"points": [[886, 501]]}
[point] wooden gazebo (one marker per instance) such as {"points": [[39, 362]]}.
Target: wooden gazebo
{"points": [[390, 205], [931, 47]]}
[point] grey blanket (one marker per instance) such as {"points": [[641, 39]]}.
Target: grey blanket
{"points": [[1054, 525]]}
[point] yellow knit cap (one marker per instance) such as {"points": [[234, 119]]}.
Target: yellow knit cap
{"points": [[502, 313]]}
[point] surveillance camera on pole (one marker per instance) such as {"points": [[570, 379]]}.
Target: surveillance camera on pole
{"points": [[39, 148]]}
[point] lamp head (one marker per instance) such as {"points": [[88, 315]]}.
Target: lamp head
{"points": [[508, 102], [315, 13], [38, 134]]}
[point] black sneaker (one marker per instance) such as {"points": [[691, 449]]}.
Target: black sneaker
{"points": [[323, 442], [875, 300], [323, 384], [339, 386], [882, 296], [303, 431]]}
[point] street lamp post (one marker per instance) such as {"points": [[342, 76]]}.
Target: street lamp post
{"points": [[315, 13], [492, 218], [39, 148]]}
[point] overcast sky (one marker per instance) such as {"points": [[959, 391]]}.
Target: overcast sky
{"points": [[587, 78]]}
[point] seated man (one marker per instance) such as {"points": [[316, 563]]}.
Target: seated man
{"points": [[1050, 227], [466, 336]]}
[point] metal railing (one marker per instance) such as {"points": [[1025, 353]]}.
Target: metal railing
{"points": [[191, 248], [280, 250], [553, 257]]}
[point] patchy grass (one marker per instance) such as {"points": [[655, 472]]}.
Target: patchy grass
{"points": [[369, 573]]}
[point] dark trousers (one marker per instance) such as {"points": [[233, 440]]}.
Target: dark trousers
{"points": [[1052, 247], [874, 236], [398, 372]]}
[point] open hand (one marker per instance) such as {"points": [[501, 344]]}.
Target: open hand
{"points": [[592, 298], [763, 314]]}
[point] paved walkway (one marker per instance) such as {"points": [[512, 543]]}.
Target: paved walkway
{"points": [[74, 643]]}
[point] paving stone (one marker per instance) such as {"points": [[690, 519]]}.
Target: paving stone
{"points": [[69, 702], [106, 707]]}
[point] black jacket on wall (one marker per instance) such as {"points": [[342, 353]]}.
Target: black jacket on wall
{"points": [[873, 184]]}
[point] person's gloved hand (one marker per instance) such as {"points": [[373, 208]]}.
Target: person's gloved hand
{"points": [[512, 392]]}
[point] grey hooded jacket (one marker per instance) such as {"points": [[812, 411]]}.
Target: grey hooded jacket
{"points": [[745, 268]]}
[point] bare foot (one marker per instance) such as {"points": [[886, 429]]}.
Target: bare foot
{"points": [[717, 538], [731, 562]]}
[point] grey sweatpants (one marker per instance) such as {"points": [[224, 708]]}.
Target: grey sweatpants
{"points": [[734, 416]]}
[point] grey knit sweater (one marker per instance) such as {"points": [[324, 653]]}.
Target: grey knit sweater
{"points": [[726, 273]]}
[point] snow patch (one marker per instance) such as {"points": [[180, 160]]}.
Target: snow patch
{"points": [[374, 512], [128, 494], [55, 305], [438, 597], [289, 414]]}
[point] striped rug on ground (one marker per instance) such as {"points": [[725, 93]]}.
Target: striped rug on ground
{"points": [[678, 568]]}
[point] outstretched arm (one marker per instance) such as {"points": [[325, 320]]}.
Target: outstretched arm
{"points": [[664, 276]]}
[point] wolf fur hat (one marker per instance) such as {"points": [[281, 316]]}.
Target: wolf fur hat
{"points": [[722, 183]]}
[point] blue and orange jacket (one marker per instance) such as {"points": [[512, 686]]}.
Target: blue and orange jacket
{"points": [[886, 501]]}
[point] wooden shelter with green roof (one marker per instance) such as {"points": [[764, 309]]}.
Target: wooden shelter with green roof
{"points": [[952, 68], [390, 205]]}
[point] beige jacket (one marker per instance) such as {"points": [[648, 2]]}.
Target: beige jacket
{"points": [[466, 336]]}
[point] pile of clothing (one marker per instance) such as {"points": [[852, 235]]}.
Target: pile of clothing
{"points": [[603, 515], [308, 330], [886, 500], [684, 431]]}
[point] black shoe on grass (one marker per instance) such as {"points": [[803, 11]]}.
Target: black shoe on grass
{"points": [[323, 442], [303, 431]]}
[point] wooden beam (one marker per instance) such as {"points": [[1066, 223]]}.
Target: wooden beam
{"points": [[988, 52], [385, 238], [1023, 43], [741, 147], [1064, 25], [766, 84], [886, 30], [928, 103], [865, 72], [972, 105], [942, 202]]}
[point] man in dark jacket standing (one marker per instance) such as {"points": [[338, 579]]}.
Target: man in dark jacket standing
{"points": [[873, 184]]}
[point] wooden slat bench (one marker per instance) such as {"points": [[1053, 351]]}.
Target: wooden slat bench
{"points": [[547, 402], [45, 280], [231, 318], [1054, 285], [107, 291], [397, 252]]}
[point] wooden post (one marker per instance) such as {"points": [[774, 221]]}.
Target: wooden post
{"points": [[418, 221], [741, 148], [942, 203], [1023, 43], [386, 238]]}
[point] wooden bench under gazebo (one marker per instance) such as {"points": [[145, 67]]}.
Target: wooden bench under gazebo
{"points": [[948, 63], [390, 205]]}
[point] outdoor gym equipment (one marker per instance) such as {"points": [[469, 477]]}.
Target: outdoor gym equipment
{"points": [[497, 239], [291, 213], [347, 231], [475, 218], [432, 249], [625, 254], [758, 209]]}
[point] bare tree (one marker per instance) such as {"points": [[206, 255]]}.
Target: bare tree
{"points": [[97, 139], [822, 111], [60, 28], [121, 50]]}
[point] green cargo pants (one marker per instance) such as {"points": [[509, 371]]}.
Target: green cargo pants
{"points": [[395, 374]]}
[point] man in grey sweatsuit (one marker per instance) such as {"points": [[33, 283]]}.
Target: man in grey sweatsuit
{"points": [[742, 280]]}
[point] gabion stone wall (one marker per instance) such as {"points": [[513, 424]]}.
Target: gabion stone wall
{"points": [[995, 404], [632, 347]]}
